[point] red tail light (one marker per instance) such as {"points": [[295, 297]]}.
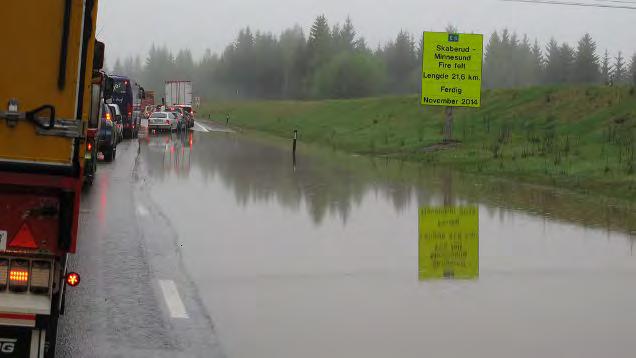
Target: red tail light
{"points": [[89, 147], [73, 279]]}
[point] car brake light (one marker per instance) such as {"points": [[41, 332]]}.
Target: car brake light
{"points": [[4, 270], [40, 276], [73, 279], [19, 275]]}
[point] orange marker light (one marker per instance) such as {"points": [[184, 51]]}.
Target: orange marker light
{"points": [[73, 279], [18, 276]]}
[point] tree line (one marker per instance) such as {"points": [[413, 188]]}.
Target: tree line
{"points": [[513, 62], [336, 62]]}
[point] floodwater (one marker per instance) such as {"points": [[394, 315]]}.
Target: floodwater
{"points": [[321, 260]]}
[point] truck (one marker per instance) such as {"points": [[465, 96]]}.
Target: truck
{"points": [[148, 103], [51, 88], [178, 93]]}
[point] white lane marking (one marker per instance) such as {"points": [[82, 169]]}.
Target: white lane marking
{"points": [[173, 300], [201, 127], [141, 210]]}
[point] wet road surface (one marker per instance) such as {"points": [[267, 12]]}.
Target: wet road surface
{"points": [[130, 263], [321, 260]]}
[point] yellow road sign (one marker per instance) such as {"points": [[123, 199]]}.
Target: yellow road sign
{"points": [[448, 243], [451, 69]]}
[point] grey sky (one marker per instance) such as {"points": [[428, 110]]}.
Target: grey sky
{"points": [[129, 27]]}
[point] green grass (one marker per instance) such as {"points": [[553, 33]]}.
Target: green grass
{"points": [[581, 138]]}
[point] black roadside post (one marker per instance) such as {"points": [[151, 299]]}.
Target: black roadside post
{"points": [[294, 147]]}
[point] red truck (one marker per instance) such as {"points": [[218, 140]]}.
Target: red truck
{"points": [[148, 103]]}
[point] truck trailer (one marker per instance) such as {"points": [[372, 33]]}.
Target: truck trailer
{"points": [[178, 93], [51, 87]]}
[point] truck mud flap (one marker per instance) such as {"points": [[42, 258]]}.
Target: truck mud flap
{"points": [[21, 342]]}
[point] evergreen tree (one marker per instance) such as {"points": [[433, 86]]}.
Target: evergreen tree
{"points": [[523, 63], [400, 59], [619, 75], [606, 69], [632, 69], [506, 61], [347, 35], [537, 64], [491, 62], [293, 48], [586, 66], [184, 65], [553, 63], [319, 44], [451, 29], [159, 68], [118, 69], [567, 56]]}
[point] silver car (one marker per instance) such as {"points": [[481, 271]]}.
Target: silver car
{"points": [[163, 121]]}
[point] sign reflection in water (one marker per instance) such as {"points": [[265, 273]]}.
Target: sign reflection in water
{"points": [[448, 243]]}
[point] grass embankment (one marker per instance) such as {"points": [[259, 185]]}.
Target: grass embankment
{"points": [[581, 138]]}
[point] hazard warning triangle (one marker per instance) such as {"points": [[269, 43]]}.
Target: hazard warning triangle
{"points": [[24, 238]]}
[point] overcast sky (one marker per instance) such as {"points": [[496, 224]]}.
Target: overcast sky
{"points": [[129, 27]]}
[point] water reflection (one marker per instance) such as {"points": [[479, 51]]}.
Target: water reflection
{"points": [[319, 256], [328, 183], [172, 150]]}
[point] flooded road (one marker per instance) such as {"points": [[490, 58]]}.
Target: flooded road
{"points": [[321, 260]]}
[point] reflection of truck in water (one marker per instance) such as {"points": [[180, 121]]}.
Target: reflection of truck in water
{"points": [[178, 93], [50, 89]]}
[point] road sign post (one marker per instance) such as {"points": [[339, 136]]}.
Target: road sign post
{"points": [[451, 72]]}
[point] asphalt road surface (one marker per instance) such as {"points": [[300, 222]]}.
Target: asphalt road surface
{"points": [[211, 243], [135, 299]]}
